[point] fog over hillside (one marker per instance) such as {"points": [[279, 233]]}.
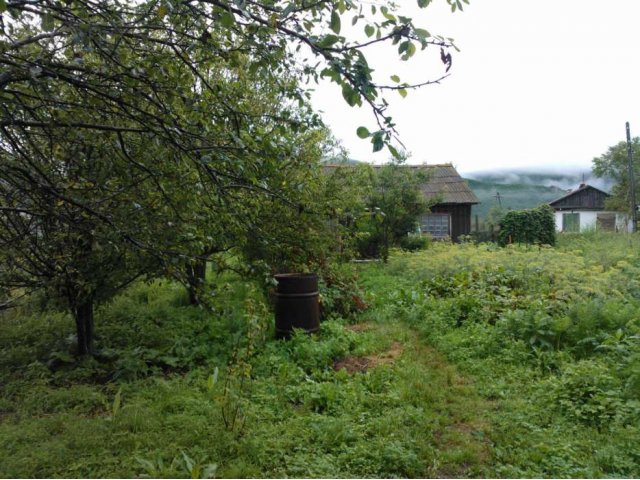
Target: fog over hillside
{"points": [[565, 179], [527, 188]]}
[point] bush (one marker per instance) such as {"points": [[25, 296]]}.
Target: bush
{"points": [[340, 293], [528, 226], [587, 392], [413, 243]]}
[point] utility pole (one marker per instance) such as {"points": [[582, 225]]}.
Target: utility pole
{"points": [[497, 195], [632, 183]]}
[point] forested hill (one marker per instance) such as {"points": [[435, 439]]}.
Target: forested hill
{"points": [[526, 189], [512, 195]]}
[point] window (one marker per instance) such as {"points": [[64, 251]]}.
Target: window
{"points": [[570, 222], [606, 222], [437, 224]]}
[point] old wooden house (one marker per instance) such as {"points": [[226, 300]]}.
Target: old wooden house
{"points": [[450, 197], [583, 209], [450, 215]]}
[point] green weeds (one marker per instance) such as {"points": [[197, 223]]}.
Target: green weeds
{"points": [[551, 335], [470, 360], [180, 391]]}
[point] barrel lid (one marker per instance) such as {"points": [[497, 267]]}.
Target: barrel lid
{"points": [[296, 282], [291, 275]]}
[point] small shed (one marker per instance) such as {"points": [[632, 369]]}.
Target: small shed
{"points": [[583, 209], [450, 216]]}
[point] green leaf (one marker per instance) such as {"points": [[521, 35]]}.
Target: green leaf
{"points": [[363, 132], [394, 152], [327, 41], [402, 92], [162, 11], [117, 402], [390, 17], [422, 33], [423, 3], [332, 73], [3, 5], [350, 95], [395, 78], [369, 30], [227, 19], [377, 141], [289, 8], [409, 49], [335, 22], [48, 23]]}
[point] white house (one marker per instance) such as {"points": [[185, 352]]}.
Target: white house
{"points": [[583, 209]]}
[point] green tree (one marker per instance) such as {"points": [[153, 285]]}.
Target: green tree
{"points": [[136, 136], [614, 164], [85, 213], [292, 235], [392, 208]]}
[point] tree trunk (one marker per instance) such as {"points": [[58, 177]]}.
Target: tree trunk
{"points": [[196, 276], [83, 314]]}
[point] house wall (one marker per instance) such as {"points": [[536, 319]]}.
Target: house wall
{"points": [[588, 220], [587, 198], [460, 218]]}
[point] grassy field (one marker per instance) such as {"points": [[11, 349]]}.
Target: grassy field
{"points": [[471, 361]]}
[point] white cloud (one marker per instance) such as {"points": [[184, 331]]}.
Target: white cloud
{"points": [[537, 83]]}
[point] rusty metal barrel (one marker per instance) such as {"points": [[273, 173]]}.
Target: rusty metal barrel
{"points": [[296, 303]]}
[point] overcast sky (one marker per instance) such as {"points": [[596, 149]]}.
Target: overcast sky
{"points": [[543, 84]]}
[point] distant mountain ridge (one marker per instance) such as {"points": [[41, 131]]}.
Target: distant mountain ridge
{"points": [[521, 189], [518, 188]]}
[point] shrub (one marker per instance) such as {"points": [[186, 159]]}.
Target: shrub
{"points": [[587, 392], [413, 243], [528, 226], [340, 293]]}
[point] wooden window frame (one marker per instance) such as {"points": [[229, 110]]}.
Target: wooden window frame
{"points": [[423, 224], [565, 215]]}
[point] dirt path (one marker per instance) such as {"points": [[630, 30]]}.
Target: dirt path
{"points": [[460, 428]]}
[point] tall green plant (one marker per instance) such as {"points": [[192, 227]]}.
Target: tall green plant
{"points": [[536, 225], [393, 208]]}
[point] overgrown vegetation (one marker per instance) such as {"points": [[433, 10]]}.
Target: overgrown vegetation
{"points": [[535, 373], [536, 225], [141, 139], [178, 391], [550, 337], [393, 204]]}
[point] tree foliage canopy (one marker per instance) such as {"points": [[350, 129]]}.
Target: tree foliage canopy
{"points": [[139, 137], [614, 163]]}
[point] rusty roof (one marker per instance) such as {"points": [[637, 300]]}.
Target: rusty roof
{"points": [[443, 183]]}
